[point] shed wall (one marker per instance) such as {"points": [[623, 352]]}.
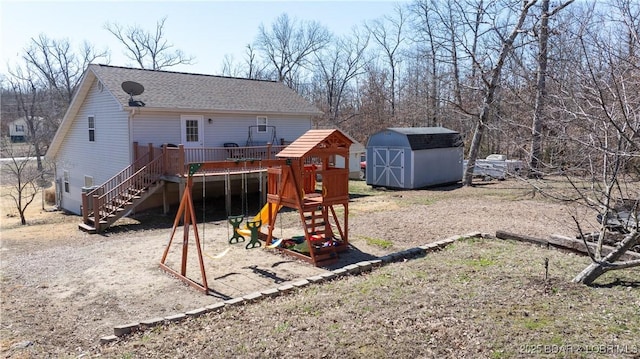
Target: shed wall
{"points": [[436, 166]]}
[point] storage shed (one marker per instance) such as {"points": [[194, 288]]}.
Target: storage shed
{"points": [[416, 157]]}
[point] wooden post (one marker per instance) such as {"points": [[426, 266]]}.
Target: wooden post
{"points": [[165, 198], [96, 213], [136, 152], [165, 159], [85, 210], [150, 152], [181, 160]]}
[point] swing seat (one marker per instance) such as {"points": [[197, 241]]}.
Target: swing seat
{"points": [[219, 255], [275, 243]]}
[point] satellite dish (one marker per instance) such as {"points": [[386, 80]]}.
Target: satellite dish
{"points": [[132, 88]]}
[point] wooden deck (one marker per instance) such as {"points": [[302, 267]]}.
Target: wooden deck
{"points": [[176, 158]]}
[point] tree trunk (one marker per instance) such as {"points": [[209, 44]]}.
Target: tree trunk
{"points": [[541, 92], [598, 268]]}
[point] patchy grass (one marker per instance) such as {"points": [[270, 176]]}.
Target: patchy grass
{"points": [[382, 243], [480, 298]]}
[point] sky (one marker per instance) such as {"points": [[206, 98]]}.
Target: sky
{"points": [[206, 30]]}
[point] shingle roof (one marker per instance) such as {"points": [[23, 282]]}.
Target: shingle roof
{"points": [[186, 91]]}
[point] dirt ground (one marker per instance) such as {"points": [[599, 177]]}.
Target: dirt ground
{"points": [[63, 289]]}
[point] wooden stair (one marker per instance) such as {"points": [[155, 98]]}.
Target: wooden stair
{"points": [[119, 207], [115, 198], [318, 234]]}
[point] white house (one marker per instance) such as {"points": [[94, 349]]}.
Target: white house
{"points": [[118, 112], [356, 152], [18, 130]]}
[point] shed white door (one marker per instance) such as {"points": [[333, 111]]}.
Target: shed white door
{"points": [[388, 167]]}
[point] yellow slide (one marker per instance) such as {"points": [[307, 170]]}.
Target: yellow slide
{"points": [[263, 216]]}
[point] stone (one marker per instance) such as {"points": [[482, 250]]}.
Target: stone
{"points": [[285, 288], [234, 301], [152, 322], [300, 283], [271, 292], [215, 306], [22, 345], [375, 263], [364, 266], [196, 312], [328, 275], [125, 329], [108, 339], [316, 279], [251, 297], [340, 272], [175, 317], [352, 268]]}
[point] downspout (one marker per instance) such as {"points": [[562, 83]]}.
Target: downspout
{"points": [[132, 113]]}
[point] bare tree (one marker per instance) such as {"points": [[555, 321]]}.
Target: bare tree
{"points": [[43, 85], [428, 47], [388, 33], [288, 46], [59, 67], [541, 83], [149, 50], [491, 83], [605, 106], [250, 67], [30, 96], [337, 66], [24, 178]]}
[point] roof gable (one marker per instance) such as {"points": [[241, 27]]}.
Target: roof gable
{"points": [[185, 91], [316, 141]]}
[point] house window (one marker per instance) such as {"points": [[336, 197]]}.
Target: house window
{"points": [[92, 128], [262, 124], [65, 180], [19, 128], [191, 128], [88, 181]]}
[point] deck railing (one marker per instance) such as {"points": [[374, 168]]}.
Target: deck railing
{"points": [[111, 187], [176, 158], [132, 185]]}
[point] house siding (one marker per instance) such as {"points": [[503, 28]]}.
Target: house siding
{"points": [[165, 128], [227, 128], [101, 159], [156, 129]]}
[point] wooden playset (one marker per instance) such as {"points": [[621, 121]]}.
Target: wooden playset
{"points": [[291, 183]]}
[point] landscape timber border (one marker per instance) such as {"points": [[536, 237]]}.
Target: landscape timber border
{"points": [[350, 269]]}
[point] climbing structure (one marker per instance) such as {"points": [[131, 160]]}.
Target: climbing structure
{"points": [[291, 183], [314, 154]]}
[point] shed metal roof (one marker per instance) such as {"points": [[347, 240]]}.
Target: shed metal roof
{"points": [[421, 130], [424, 138]]}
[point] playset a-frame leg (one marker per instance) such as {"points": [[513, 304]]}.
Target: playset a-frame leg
{"points": [[187, 213]]}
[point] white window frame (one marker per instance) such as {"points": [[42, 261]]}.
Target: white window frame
{"points": [[91, 124], [65, 180], [261, 124]]}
